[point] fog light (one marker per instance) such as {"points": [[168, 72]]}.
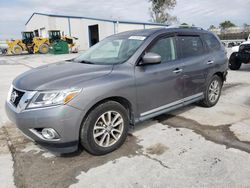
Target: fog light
{"points": [[49, 133]]}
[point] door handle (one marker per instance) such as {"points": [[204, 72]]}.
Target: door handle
{"points": [[177, 70], [210, 62]]}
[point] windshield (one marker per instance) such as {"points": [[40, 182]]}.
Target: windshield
{"points": [[111, 50]]}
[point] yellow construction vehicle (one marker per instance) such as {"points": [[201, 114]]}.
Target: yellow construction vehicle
{"points": [[55, 35], [28, 43], [33, 44]]}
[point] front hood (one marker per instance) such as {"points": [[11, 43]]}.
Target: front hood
{"points": [[60, 75], [246, 42]]}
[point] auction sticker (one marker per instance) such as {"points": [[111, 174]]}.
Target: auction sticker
{"points": [[137, 37]]}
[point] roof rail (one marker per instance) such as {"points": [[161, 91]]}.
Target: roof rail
{"points": [[185, 26]]}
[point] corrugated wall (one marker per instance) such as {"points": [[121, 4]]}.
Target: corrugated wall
{"points": [[78, 27]]}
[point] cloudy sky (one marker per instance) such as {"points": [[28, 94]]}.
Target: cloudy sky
{"points": [[203, 13]]}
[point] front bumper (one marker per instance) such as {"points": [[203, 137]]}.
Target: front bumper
{"points": [[65, 120], [243, 57]]}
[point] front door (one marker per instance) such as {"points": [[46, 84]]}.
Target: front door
{"points": [[159, 86]]}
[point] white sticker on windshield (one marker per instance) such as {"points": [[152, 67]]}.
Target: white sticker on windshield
{"points": [[137, 37]]}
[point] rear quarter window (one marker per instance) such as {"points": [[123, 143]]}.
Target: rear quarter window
{"points": [[211, 42]]}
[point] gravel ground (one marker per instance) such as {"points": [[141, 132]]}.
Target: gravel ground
{"points": [[192, 146]]}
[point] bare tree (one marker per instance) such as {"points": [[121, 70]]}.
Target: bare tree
{"points": [[159, 11]]}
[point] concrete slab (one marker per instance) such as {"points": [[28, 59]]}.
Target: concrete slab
{"points": [[36, 60], [6, 171], [6, 163], [189, 161], [242, 130]]}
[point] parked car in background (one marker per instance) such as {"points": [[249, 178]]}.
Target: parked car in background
{"points": [[127, 78], [231, 44], [241, 54]]}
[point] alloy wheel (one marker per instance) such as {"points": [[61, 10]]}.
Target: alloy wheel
{"points": [[214, 91], [108, 129]]}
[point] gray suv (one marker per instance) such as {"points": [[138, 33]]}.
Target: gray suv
{"points": [[127, 78]]}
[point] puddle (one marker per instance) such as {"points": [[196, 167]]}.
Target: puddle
{"points": [[217, 134]]}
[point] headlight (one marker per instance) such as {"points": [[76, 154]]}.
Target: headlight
{"points": [[52, 98], [241, 47]]}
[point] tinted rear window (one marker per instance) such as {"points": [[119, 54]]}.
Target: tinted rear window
{"points": [[212, 43], [190, 46]]}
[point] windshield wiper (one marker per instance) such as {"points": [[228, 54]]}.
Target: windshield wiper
{"points": [[83, 61], [70, 60], [86, 62]]}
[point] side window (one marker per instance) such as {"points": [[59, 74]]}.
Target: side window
{"points": [[190, 46], [212, 43], [165, 47]]}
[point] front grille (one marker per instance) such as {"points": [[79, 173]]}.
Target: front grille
{"points": [[16, 96]]}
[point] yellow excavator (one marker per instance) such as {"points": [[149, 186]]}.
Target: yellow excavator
{"points": [[28, 43]]}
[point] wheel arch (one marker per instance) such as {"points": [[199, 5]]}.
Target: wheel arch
{"points": [[221, 75], [205, 101], [121, 100]]}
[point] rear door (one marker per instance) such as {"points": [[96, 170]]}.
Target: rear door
{"points": [[192, 55]]}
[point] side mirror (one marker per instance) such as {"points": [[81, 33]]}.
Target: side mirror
{"points": [[151, 58]]}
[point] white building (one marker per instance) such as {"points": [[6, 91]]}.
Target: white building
{"points": [[217, 31], [233, 30], [87, 30]]}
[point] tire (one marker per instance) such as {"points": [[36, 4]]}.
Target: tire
{"points": [[4, 51], [234, 63], [98, 138], [43, 48], [211, 90], [30, 50], [17, 50]]}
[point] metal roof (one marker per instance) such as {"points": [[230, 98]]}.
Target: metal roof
{"points": [[98, 19]]}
